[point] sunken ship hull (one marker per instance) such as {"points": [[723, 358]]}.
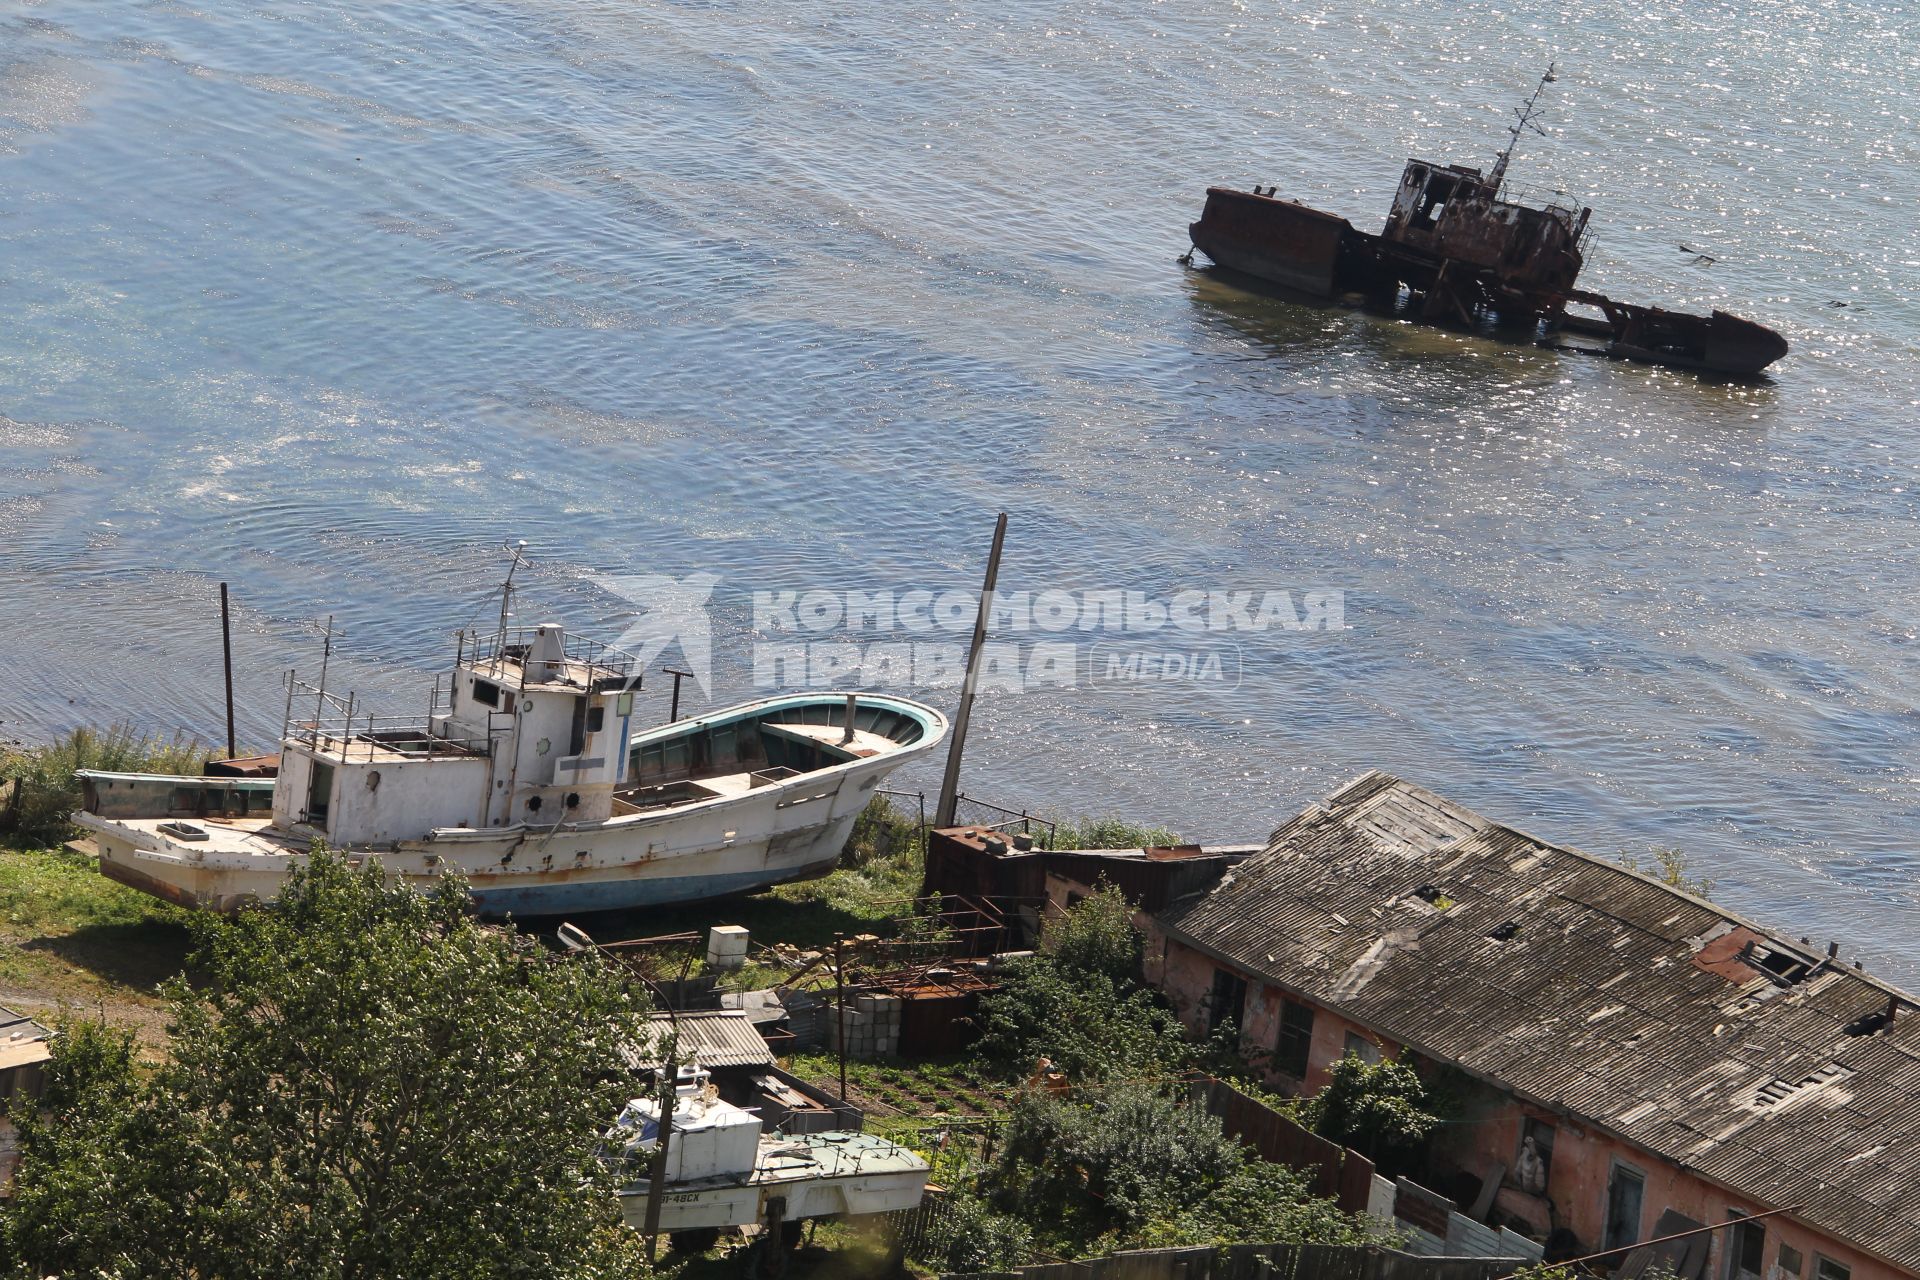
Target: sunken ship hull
{"points": [[1463, 255]]}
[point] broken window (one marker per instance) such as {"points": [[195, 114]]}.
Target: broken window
{"points": [[1294, 1048], [1358, 1046], [1227, 1002], [1825, 1268], [1433, 202], [1787, 1262], [1626, 1193], [1539, 1134], [1746, 1247]]}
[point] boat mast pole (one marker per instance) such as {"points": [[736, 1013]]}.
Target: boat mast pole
{"points": [[950, 785], [506, 600], [226, 649], [1524, 120]]}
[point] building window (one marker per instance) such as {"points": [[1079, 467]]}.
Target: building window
{"points": [[1228, 1001], [1788, 1262], [1828, 1269], [486, 694], [1626, 1193], [1295, 1045], [1358, 1046], [1533, 1166], [1746, 1247]]}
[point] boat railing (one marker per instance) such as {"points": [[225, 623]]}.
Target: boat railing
{"points": [[603, 662], [343, 727], [361, 735]]}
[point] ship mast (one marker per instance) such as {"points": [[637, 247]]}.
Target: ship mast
{"points": [[1524, 120]]}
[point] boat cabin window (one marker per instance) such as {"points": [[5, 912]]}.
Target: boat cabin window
{"points": [[1433, 201], [486, 693]]}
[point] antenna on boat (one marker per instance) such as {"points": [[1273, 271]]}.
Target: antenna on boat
{"points": [[1524, 120], [326, 659], [518, 551]]}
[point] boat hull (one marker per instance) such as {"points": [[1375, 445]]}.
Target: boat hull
{"points": [[790, 830], [1277, 241]]}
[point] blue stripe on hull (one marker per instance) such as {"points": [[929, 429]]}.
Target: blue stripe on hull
{"points": [[625, 895]]}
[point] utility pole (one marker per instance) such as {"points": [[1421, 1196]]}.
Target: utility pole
{"points": [[950, 785], [840, 999]]}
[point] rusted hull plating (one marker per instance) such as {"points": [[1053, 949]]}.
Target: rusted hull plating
{"points": [[1324, 256]]}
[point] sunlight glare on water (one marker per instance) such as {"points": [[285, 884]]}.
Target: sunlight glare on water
{"points": [[327, 301]]}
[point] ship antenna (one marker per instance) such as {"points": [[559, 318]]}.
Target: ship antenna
{"points": [[518, 551], [1524, 120]]}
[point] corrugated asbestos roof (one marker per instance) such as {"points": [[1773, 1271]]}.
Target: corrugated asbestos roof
{"points": [[713, 1037], [1388, 903]]}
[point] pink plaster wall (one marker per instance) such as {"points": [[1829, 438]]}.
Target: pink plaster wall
{"points": [[1583, 1158]]}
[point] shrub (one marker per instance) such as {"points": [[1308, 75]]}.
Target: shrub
{"points": [[1096, 936], [966, 1235], [1077, 1003], [1379, 1109], [1132, 1166]]}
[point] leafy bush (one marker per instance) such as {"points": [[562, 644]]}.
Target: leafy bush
{"points": [[966, 1235], [1096, 937], [1671, 869], [1088, 1025], [46, 792], [1077, 1003], [1132, 1166], [1379, 1109]]}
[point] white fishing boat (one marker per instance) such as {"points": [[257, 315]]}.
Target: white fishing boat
{"points": [[525, 775], [723, 1171]]}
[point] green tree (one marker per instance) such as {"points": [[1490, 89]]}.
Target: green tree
{"points": [[1379, 1109], [369, 1083], [1077, 1002]]}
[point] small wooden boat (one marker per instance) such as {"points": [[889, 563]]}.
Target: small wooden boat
{"points": [[525, 776]]}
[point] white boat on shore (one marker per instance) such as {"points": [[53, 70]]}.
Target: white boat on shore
{"points": [[525, 776]]}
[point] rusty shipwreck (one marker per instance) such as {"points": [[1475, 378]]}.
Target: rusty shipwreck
{"points": [[1455, 251]]}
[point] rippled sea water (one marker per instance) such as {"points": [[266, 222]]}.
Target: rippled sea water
{"points": [[326, 301]]}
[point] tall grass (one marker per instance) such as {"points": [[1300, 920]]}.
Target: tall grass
{"points": [[41, 790], [1105, 833]]}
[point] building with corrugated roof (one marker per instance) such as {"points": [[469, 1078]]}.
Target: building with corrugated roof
{"points": [[1639, 1058]]}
